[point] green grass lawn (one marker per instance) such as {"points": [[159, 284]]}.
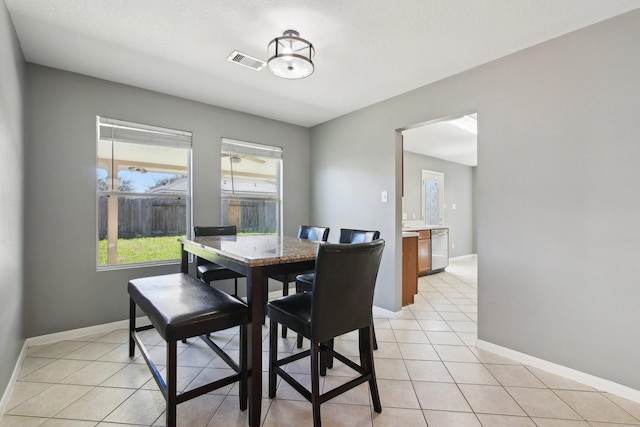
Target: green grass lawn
{"points": [[144, 249]]}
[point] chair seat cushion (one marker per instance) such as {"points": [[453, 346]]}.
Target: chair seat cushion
{"points": [[304, 282], [212, 272], [289, 277], [284, 278], [293, 311], [180, 306]]}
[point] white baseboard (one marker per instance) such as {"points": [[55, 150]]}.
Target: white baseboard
{"points": [[572, 374], [90, 330], [462, 257], [14, 377], [383, 312]]}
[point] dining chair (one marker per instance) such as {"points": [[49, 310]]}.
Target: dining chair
{"points": [[345, 275], [208, 271], [304, 282], [349, 235], [308, 232]]}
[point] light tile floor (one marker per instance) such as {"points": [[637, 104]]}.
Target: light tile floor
{"points": [[429, 374]]}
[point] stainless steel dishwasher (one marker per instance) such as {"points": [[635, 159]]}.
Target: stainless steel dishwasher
{"points": [[439, 249]]}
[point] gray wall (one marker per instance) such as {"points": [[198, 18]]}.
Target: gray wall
{"points": [[557, 193], [64, 290], [458, 190], [12, 139], [353, 162]]}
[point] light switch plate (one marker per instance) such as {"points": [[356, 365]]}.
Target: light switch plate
{"points": [[383, 197]]}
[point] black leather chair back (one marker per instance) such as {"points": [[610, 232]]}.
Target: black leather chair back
{"points": [[221, 230], [348, 235], [344, 284], [320, 234]]}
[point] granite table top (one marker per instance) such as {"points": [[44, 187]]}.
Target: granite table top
{"points": [[258, 250]]}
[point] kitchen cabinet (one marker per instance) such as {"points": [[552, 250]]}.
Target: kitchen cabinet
{"points": [[424, 252], [409, 267]]}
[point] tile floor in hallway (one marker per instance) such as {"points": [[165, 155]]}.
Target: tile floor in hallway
{"points": [[429, 374]]}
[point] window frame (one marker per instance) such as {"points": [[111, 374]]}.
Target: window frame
{"points": [[131, 132], [232, 147]]}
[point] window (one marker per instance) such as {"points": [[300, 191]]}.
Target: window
{"points": [[432, 197], [251, 187], [143, 193]]}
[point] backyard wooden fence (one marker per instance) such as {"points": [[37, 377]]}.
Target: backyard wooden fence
{"points": [[250, 216], [145, 217], [155, 217]]}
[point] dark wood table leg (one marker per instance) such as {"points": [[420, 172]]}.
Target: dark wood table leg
{"points": [[184, 263], [255, 289]]}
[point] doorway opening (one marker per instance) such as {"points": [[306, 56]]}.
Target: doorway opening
{"points": [[447, 146]]}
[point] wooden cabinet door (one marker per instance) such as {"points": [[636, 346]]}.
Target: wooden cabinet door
{"points": [[424, 254], [409, 269]]}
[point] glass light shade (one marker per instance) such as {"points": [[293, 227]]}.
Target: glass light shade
{"points": [[290, 56]]}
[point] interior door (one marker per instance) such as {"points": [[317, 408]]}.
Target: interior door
{"points": [[432, 197]]}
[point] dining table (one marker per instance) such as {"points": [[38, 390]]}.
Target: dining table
{"points": [[257, 257]]}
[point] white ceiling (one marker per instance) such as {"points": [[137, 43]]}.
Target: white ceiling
{"points": [[443, 140], [366, 50]]}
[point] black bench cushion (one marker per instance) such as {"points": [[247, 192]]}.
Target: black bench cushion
{"points": [[181, 306]]}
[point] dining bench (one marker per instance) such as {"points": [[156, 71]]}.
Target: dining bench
{"points": [[180, 306]]}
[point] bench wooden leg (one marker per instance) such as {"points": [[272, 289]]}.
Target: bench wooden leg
{"points": [[132, 327], [172, 379]]}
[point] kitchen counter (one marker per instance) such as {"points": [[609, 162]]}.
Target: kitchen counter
{"points": [[433, 246], [416, 228]]}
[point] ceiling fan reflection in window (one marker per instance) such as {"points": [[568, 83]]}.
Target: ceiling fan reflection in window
{"points": [[237, 158]]}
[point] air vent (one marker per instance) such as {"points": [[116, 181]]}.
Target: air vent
{"points": [[246, 60]]}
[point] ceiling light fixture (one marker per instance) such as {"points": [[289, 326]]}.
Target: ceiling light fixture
{"points": [[290, 56]]}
